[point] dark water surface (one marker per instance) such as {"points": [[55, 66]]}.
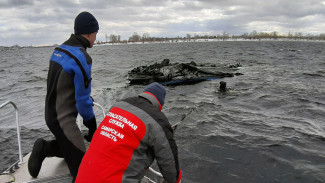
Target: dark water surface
{"points": [[270, 128]]}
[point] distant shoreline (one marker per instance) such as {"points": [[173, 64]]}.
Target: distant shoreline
{"points": [[211, 40], [174, 41]]}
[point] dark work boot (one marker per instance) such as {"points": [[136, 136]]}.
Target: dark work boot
{"points": [[53, 149], [37, 157]]}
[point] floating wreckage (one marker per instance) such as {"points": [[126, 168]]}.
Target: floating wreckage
{"points": [[175, 74]]}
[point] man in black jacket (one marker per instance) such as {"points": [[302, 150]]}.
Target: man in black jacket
{"points": [[68, 93]]}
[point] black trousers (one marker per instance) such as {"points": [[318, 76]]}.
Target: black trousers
{"points": [[62, 147]]}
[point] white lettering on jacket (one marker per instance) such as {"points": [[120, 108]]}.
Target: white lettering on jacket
{"points": [[117, 123], [123, 119], [58, 55], [108, 135], [112, 132]]}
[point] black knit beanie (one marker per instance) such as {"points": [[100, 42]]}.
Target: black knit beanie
{"points": [[158, 91], [85, 23]]}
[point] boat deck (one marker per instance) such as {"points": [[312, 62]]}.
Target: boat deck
{"points": [[53, 170]]}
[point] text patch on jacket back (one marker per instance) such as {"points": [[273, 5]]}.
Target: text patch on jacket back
{"points": [[120, 134]]}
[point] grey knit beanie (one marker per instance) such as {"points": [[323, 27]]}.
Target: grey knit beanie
{"points": [[158, 91]]}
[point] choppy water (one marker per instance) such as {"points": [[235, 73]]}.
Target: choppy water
{"points": [[271, 128]]}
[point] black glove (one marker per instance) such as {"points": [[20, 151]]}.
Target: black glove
{"points": [[92, 126]]}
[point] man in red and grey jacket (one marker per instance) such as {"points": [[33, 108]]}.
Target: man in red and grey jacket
{"points": [[131, 136]]}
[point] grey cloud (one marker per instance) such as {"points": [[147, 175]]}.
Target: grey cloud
{"points": [[15, 3], [162, 18], [291, 9], [104, 4]]}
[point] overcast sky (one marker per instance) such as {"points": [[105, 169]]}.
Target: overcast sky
{"points": [[47, 22]]}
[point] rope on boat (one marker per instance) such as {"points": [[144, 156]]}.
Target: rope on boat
{"points": [[174, 126], [149, 179], [12, 177]]}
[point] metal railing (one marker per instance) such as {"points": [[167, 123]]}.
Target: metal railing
{"points": [[18, 129], [79, 121], [98, 105], [79, 118]]}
